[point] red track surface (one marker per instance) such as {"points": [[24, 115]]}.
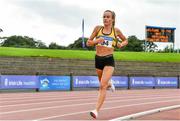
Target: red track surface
{"points": [[76, 105]]}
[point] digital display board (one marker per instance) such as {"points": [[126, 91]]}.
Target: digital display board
{"points": [[160, 34]]}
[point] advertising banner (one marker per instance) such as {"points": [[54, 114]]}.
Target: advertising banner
{"points": [[142, 82], [85, 81], [54, 82], [18, 82], [166, 81], [92, 81], [120, 81]]}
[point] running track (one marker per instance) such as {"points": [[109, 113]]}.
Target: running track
{"points": [[76, 105]]}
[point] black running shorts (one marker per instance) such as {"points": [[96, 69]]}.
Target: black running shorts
{"points": [[102, 61]]}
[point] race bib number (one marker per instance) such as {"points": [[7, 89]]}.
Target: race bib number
{"points": [[108, 41]]}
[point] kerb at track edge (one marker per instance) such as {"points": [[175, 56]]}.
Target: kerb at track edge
{"points": [[132, 116]]}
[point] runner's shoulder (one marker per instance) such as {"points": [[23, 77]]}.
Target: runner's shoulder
{"points": [[98, 27]]}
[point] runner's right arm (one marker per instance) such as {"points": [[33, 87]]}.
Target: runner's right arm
{"points": [[91, 41]]}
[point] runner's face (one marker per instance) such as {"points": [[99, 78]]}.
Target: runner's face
{"points": [[107, 18]]}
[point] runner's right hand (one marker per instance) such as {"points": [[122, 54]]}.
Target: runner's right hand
{"points": [[99, 40]]}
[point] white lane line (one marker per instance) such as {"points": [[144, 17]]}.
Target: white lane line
{"points": [[40, 96], [56, 98], [59, 98], [136, 115], [36, 103], [49, 93], [122, 106], [59, 101], [71, 105]]}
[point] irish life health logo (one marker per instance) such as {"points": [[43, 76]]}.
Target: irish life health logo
{"points": [[6, 82]]}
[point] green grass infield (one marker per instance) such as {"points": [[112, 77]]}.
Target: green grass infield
{"points": [[89, 55]]}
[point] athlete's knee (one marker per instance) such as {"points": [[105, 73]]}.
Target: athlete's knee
{"points": [[103, 86]]}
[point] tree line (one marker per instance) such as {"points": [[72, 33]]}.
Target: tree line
{"points": [[134, 44]]}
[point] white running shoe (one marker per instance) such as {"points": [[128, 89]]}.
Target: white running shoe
{"points": [[112, 88], [94, 113]]}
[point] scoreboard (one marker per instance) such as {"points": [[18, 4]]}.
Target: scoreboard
{"points": [[160, 34]]}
